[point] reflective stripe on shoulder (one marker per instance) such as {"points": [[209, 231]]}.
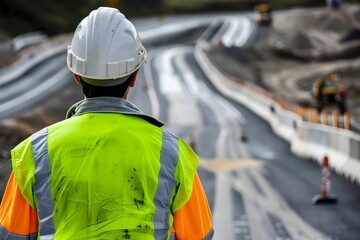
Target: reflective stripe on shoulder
{"points": [[5, 235], [209, 235], [167, 182], [172, 236], [42, 185]]}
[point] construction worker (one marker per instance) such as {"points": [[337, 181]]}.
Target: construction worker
{"points": [[324, 91], [341, 98], [108, 171]]}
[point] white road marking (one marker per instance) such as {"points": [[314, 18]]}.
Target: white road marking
{"points": [[223, 209], [233, 30], [182, 110], [223, 112], [244, 34], [171, 28], [228, 119], [269, 201]]}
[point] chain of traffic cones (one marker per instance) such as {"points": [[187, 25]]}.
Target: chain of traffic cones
{"points": [[314, 116], [306, 114]]}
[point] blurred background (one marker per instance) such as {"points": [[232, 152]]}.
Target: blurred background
{"points": [[263, 91], [54, 17]]}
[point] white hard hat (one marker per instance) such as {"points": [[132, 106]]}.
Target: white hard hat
{"points": [[105, 48]]}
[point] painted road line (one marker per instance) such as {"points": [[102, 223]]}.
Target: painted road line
{"points": [[226, 221], [264, 204], [224, 113], [223, 208], [266, 215], [170, 29], [36, 91], [200, 93], [226, 165], [182, 110], [246, 29], [232, 30]]}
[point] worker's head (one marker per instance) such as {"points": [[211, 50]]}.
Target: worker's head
{"points": [[105, 53]]}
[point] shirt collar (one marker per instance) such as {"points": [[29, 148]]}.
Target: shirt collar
{"points": [[109, 105]]}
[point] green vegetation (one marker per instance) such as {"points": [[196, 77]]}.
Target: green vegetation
{"points": [[59, 16]]}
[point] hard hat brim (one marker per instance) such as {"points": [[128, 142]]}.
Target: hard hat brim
{"points": [[106, 82]]}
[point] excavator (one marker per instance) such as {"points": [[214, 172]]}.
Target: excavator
{"points": [[263, 14]]}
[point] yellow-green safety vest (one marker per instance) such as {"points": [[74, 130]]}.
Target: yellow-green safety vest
{"points": [[106, 172]]}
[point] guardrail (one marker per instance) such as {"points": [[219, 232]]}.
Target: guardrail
{"points": [[307, 139]]}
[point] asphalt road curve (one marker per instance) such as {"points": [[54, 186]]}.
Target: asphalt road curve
{"points": [[34, 86], [257, 189]]}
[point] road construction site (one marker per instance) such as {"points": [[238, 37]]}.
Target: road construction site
{"points": [[228, 87]]}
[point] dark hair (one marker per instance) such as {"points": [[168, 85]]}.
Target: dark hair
{"points": [[91, 91]]}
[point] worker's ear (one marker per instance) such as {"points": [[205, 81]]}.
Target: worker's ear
{"points": [[77, 79], [133, 78]]}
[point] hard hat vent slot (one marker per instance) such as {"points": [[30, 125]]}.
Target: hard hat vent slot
{"points": [[113, 68], [80, 66], [130, 65]]}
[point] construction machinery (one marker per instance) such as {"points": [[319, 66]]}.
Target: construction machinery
{"points": [[263, 14]]}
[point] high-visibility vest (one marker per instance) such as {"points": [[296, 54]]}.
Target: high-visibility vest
{"points": [[107, 172]]}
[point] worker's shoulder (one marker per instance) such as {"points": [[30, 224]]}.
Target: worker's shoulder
{"points": [[184, 150]]}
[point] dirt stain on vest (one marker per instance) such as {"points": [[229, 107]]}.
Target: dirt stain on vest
{"points": [[127, 235], [138, 202], [143, 227]]}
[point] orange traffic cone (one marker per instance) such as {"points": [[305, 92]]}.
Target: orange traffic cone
{"points": [[325, 197]]}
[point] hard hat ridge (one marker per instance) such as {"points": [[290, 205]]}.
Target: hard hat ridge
{"points": [[105, 46]]}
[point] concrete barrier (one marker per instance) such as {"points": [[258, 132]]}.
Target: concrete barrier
{"points": [[307, 140]]}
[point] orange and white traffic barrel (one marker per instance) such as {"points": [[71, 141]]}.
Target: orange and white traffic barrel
{"points": [[325, 197]]}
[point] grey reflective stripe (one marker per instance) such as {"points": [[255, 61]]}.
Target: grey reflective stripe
{"points": [[47, 237], [5, 235], [42, 184], [209, 235], [167, 182]]}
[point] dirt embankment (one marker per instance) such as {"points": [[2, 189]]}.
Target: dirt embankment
{"points": [[298, 48]]}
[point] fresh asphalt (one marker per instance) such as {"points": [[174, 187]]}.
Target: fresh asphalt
{"points": [[295, 180]]}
